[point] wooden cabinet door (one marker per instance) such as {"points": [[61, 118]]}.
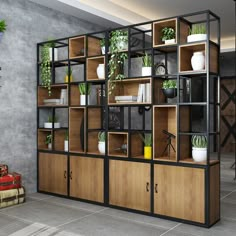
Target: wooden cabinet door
{"points": [[129, 184], [179, 192], [87, 178], [53, 173]]}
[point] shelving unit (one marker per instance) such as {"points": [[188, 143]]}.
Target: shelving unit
{"points": [[171, 182]]}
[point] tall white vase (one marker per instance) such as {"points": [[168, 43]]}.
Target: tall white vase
{"points": [[198, 61], [55, 54], [101, 71], [83, 100]]}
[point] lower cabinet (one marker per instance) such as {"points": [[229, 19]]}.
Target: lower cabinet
{"points": [[129, 184], [87, 178], [52, 173], [179, 192]]}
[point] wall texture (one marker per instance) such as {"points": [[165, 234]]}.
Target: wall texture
{"points": [[28, 24]]}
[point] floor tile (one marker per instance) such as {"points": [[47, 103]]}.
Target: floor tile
{"points": [[39, 196], [103, 225], [224, 193], [228, 210], [228, 184], [231, 198]]}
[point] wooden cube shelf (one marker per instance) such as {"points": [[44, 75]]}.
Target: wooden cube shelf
{"points": [[55, 94], [94, 118], [77, 47], [157, 34], [186, 53], [91, 69], [42, 134], [94, 47], [59, 138], [77, 134], [115, 142], [136, 146], [128, 87], [93, 143], [158, 96], [74, 95]]}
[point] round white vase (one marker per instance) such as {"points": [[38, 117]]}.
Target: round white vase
{"points": [[146, 71], [198, 61], [101, 71], [50, 146], [103, 49], [101, 147], [199, 154]]}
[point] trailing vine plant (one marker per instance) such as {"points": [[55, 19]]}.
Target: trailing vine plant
{"points": [[118, 38], [45, 69]]}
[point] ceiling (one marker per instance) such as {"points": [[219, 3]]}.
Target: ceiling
{"points": [[111, 13]]}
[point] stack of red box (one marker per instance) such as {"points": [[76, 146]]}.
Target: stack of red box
{"points": [[11, 191]]}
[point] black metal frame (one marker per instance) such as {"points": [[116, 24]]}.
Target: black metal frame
{"points": [[105, 107]]}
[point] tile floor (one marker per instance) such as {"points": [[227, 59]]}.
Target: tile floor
{"points": [[46, 215]]}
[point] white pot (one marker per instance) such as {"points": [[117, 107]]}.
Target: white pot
{"points": [[101, 71], [146, 71], [55, 54], [169, 41], [103, 49], [50, 146], [48, 125], [196, 37], [199, 154], [102, 147], [122, 43], [198, 61], [66, 145], [83, 100]]}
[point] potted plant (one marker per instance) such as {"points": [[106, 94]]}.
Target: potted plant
{"points": [[52, 45], [66, 141], [48, 124], [48, 141], [169, 88], [197, 33], [118, 41], [147, 139], [3, 28], [69, 76], [168, 35], [147, 65], [102, 142], [199, 148], [102, 44], [85, 90]]}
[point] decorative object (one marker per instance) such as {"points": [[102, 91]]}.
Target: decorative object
{"points": [[102, 44], [66, 142], [169, 88], [147, 139], [102, 142], [147, 65], [69, 77], [168, 35], [199, 148], [48, 125], [198, 61], [48, 141], [3, 28], [197, 33], [52, 45], [101, 71], [45, 68], [169, 144], [117, 58], [101, 96], [84, 90], [161, 69]]}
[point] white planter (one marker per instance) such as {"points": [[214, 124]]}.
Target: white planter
{"points": [[103, 49], [101, 147], [48, 125], [198, 61], [196, 37], [66, 145], [50, 146], [83, 100], [146, 71], [199, 154], [169, 41], [101, 71], [55, 54], [122, 43]]}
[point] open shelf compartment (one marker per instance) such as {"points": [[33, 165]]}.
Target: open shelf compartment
{"points": [[92, 64], [42, 135], [117, 140]]}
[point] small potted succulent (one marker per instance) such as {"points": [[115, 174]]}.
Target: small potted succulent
{"points": [[197, 33], [102, 142], [68, 75], [169, 88], [3, 28], [147, 140], [66, 141], [48, 141], [147, 65], [84, 90], [102, 44], [199, 148], [48, 124], [168, 35]]}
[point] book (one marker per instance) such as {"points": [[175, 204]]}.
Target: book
{"points": [[139, 98], [148, 92], [126, 98]]}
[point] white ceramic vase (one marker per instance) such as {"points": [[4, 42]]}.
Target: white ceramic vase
{"points": [[101, 71], [103, 49], [198, 61], [196, 37], [199, 154], [83, 100], [66, 145], [146, 71], [50, 146], [101, 147], [55, 54]]}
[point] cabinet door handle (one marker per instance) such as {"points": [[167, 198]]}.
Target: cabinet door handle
{"points": [[71, 175], [156, 191], [65, 174], [147, 187]]}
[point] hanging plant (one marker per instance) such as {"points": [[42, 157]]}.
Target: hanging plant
{"points": [[45, 68]]}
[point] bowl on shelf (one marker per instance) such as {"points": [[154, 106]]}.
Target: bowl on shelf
{"points": [[170, 92]]}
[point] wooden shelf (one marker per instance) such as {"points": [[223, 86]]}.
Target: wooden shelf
{"points": [[77, 47], [91, 69], [94, 118], [42, 134], [59, 138], [191, 161], [115, 141], [93, 143]]}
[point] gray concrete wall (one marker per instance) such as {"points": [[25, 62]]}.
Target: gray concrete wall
{"points": [[28, 24]]}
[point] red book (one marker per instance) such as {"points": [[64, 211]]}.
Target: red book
{"points": [[3, 170], [10, 181]]}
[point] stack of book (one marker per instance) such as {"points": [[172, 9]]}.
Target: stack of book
{"points": [[125, 99], [144, 93]]}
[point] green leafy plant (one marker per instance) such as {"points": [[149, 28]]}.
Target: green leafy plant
{"points": [[3, 26], [117, 57], [48, 139], [169, 84], [67, 135], [197, 29], [69, 71], [84, 89], [147, 139], [45, 68], [168, 33], [199, 141], [52, 120], [51, 43], [147, 60], [102, 42], [101, 136]]}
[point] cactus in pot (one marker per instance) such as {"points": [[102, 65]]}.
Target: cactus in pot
{"points": [[199, 148]]}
